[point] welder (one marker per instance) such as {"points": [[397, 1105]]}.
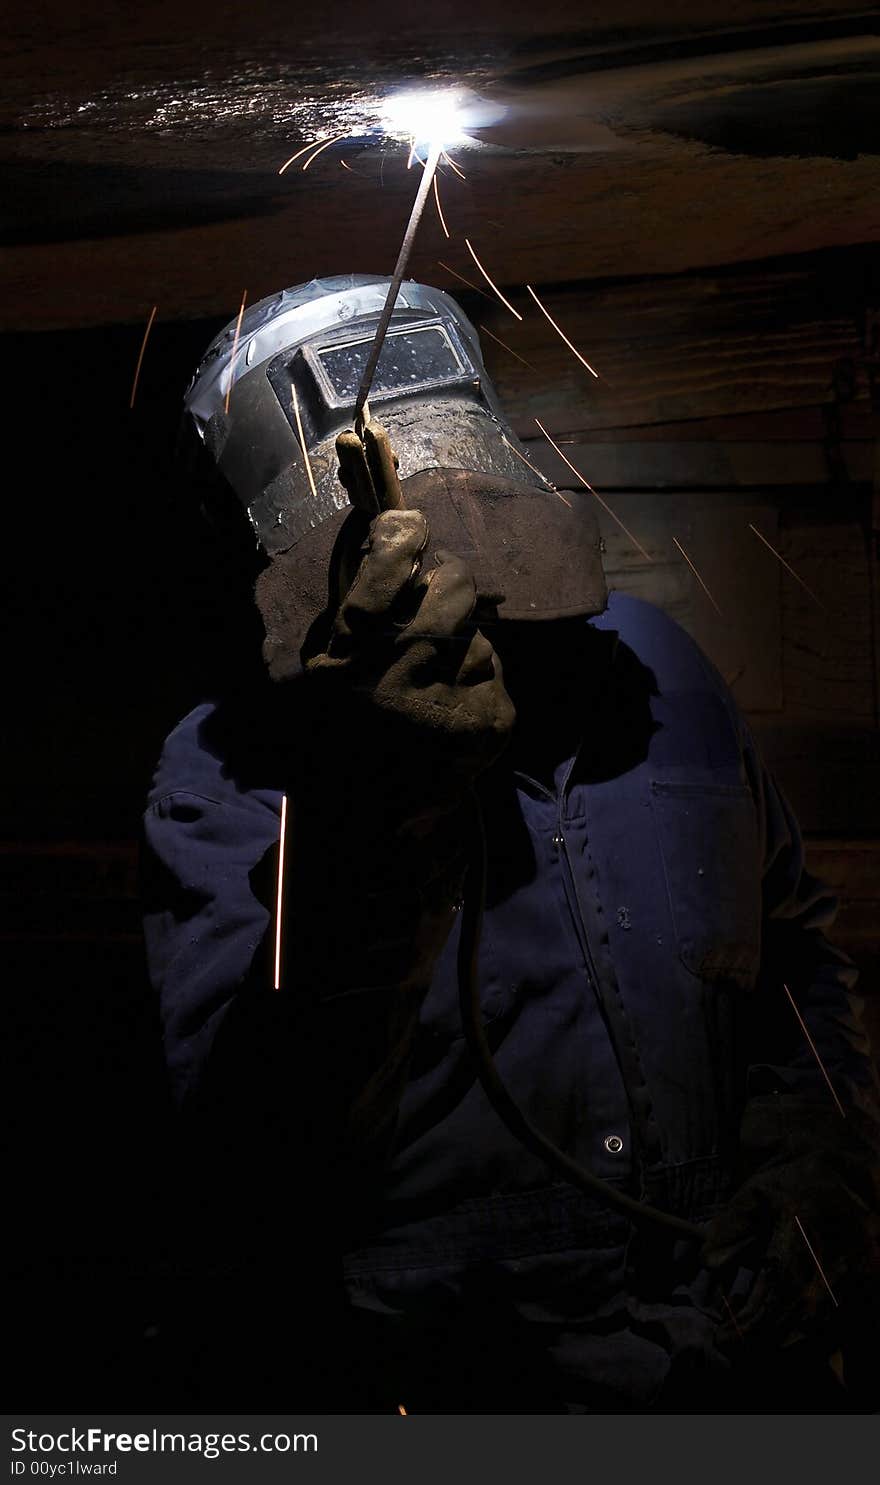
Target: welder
{"points": [[440, 667]]}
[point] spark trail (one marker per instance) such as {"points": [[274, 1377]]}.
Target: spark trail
{"points": [[279, 895], [325, 146], [697, 576], [461, 278], [561, 333], [302, 441], [235, 348], [813, 1049], [492, 286], [816, 1260], [604, 504], [780, 558], [137, 370], [505, 346]]}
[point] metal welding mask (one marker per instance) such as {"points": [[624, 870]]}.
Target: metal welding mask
{"points": [[288, 375]]}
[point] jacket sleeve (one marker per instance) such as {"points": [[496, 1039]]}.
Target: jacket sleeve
{"points": [[203, 922], [315, 1072], [809, 1037]]}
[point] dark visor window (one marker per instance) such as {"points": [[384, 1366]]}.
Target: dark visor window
{"points": [[409, 359]]}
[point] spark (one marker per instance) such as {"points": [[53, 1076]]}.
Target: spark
{"points": [[235, 348], [815, 1260], [824, 1071], [351, 170], [697, 576], [309, 146], [439, 208], [535, 470], [401, 1410], [504, 346], [137, 370], [430, 117], [489, 281], [412, 150], [325, 146], [279, 894], [476, 288], [455, 167], [789, 569], [727, 1306], [302, 441], [605, 506], [559, 332]]}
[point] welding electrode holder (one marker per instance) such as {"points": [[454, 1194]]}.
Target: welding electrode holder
{"points": [[368, 473], [368, 469]]}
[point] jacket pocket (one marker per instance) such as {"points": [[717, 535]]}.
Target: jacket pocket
{"points": [[709, 843]]}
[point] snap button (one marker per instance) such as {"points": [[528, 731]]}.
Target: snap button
{"points": [[613, 1144]]}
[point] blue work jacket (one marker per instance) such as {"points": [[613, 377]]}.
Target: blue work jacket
{"points": [[642, 918]]}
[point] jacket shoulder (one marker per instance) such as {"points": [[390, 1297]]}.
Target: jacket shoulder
{"points": [[197, 759], [661, 643], [186, 763]]}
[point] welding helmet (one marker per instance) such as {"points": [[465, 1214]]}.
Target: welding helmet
{"points": [[286, 378]]}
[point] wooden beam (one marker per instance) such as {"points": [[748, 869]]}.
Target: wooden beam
{"points": [[701, 346], [670, 465]]}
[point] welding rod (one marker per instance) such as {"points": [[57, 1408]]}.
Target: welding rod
{"points": [[403, 258]]}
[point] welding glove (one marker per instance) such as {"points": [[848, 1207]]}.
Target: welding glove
{"points": [[400, 709], [405, 706], [805, 1222], [405, 662]]}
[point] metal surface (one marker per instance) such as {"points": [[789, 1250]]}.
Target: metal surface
{"points": [[283, 468], [142, 151]]}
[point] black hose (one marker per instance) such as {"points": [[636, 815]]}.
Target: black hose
{"points": [[496, 1092]]}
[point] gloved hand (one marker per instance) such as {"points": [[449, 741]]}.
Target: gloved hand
{"points": [[405, 673], [398, 711], [814, 1180]]}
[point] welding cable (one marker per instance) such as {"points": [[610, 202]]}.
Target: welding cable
{"points": [[487, 1072]]}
